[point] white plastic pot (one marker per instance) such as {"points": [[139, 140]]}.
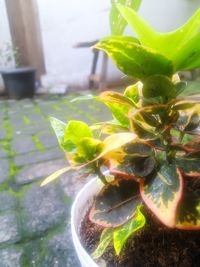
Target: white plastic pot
{"points": [[79, 208]]}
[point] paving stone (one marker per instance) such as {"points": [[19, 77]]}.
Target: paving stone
{"points": [[34, 117], [4, 170], [42, 209], [48, 140], [7, 201], [72, 184], [31, 129], [2, 132], [43, 213], [61, 250], [8, 229], [38, 171], [23, 144], [37, 156], [10, 257], [2, 152], [32, 255]]}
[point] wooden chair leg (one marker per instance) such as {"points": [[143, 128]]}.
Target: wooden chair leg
{"points": [[94, 66], [102, 82]]}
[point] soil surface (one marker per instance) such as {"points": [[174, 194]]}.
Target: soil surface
{"points": [[153, 246]]}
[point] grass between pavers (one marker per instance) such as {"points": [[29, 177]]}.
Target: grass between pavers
{"points": [[13, 170], [80, 112], [26, 120], [37, 143], [36, 250]]}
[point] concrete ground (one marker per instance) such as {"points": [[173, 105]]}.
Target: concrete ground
{"points": [[34, 221]]}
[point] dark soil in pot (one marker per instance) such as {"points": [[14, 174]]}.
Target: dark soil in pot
{"points": [[153, 246]]}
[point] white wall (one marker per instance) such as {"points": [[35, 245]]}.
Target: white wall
{"points": [[67, 22], [4, 32]]}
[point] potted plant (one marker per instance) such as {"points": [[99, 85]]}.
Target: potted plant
{"points": [[19, 81], [143, 207]]}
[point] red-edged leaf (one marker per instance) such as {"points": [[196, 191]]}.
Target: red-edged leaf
{"points": [[133, 160], [116, 203], [163, 192], [188, 217], [189, 166], [135, 168]]}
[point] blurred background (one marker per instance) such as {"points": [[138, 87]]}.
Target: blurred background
{"points": [[46, 34], [46, 59]]}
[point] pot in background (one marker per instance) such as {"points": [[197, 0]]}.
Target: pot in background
{"points": [[20, 82]]}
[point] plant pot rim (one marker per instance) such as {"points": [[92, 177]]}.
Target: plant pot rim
{"points": [[18, 70], [79, 208]]}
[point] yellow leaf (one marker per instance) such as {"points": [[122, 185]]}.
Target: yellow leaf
{"points": [[115, 141], [55, 175]]}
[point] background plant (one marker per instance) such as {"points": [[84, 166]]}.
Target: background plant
{"points": [[8, 55], [151, 148]]}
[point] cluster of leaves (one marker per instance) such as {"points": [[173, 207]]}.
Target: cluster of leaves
{"points": [[8, 55], [151, 148]]}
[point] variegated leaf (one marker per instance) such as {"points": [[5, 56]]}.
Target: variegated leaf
{"points": [[163, 192], [116, 203], [189, 166], [188, 217]]}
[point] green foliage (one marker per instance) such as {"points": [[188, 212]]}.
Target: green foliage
{"points": [[117, 22], [119, 235], [152, 147], [135, 60], [116, 203], [105, 240], [180, 46], [123, 233], [163, 193]]}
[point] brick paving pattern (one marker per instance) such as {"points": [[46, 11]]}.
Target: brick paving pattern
{"points": [[34, 220]]}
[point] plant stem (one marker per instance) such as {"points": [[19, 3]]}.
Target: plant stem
{"points": [[101, 175]]}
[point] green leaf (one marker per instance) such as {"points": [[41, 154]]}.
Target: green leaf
{"points": [[162, 193], [75, 131], [135, 60], [116, 203], [105, 240], [125, 231], [167, 44], [184, 104], [133, 160], [89, 148], [117, 22], [120, 113], [144, 31], [159, 85], [109, 127], [133, 92], [114, 97], [188, 57], [59, 129], [189, 166], [143, 132], [188, 217]]}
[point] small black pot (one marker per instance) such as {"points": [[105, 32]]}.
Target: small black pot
{"points": [[20, 82]]}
